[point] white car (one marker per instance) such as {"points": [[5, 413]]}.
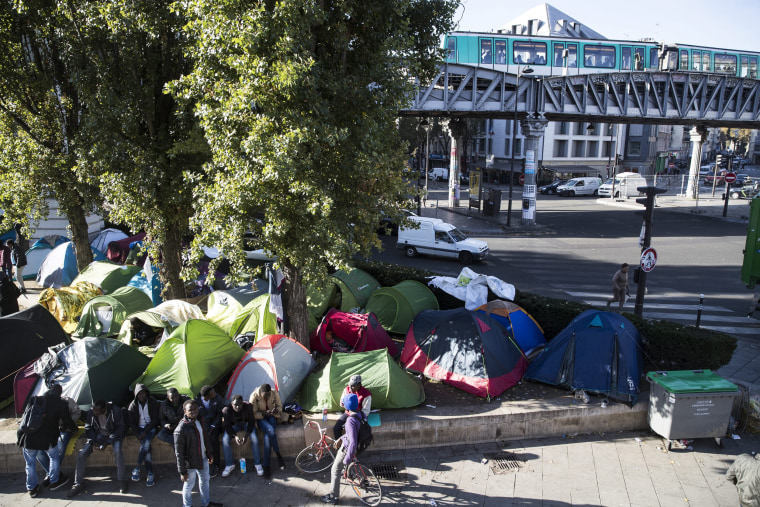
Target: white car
{"points": [[584, 185]]}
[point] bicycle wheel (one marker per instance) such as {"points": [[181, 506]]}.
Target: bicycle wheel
{"points": [[364, 483], [314, 458]]}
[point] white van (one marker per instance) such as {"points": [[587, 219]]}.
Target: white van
{"points": [[436, 237], [439, 174], [625, 185], [585, 185]]}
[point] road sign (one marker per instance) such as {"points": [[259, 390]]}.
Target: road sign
{"points": [[522, 179], [648, 259], [730, 177]]}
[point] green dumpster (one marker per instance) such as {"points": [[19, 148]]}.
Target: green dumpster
{"points": [[690, 404]]}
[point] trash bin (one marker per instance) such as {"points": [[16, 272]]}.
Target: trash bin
{"points": [[690, 404], [492, 203]]}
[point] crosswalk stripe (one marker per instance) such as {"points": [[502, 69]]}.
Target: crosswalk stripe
{"points": [[734, 330], [663, 306], [704, 317]]}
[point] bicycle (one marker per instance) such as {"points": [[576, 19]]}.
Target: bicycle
{"points": [[364, 483], [317, 456]]}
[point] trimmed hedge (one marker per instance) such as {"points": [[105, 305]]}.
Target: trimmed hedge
{"points": [[667, 345]]}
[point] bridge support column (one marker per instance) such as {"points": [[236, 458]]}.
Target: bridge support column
{"points": [[533, 129], [457, 129], [698, 136]]}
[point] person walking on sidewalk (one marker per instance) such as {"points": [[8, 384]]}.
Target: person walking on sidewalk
{"points": [[18, 259], [104, 426], [619, 287], [210, 405], [744, 472], [42, 445], [193, 456], [267, 409], [347, 451], [143, 415]]}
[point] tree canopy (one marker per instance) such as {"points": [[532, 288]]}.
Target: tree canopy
{"points": [[298, 101]]}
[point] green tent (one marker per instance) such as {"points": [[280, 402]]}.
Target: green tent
{"points": [[104, 315], [255, 317], [347, 291], [168, 315], [224, 306], [106, 275], [391, 386], [195, 354], [395, 307]]}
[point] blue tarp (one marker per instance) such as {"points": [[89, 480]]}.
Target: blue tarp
{"points": [[147, 280], [598, 352]]}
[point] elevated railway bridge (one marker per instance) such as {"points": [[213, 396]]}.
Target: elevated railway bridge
{"points": [[697, 99]]}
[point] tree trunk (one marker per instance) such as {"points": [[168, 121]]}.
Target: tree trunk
{"points": [[171, 254], [294, 302], [78, 222]]}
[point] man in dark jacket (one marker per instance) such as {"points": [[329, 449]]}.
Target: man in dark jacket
{"points": [[44, 442], [238, 416], [143, 415], [210, 406], [103, 426], [170, 413], [193, 455], [9, 294], [18, 259]]}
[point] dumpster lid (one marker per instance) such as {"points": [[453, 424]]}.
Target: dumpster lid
{"points": [[691, 381]]}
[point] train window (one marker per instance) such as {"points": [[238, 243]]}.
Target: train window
{"points": [[529, 52], [486, 51], [725, 64], [452, 49], [599, 56], [638, 58], [654, 58], [559, 58], [501, 51], [706, 61], [625, 53], [697, 60], [684, 65], [752, 67], [572, 56], [744, 67]]}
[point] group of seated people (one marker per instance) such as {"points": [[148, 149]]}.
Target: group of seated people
{"points": [[106, 424]]}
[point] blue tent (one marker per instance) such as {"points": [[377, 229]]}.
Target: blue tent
{"points": [[518, 323], [147, 280], [35, 256], [60, 266], [597, 352]]}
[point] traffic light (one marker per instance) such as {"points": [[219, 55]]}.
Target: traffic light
{"points": [[648, 201], [719, 161]]}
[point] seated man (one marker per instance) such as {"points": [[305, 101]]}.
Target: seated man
{"points": [[267, 408], [238, 417], [365, 402], [336, 343], [170, 413], [144, 420], [210, 406], [103, 426]]}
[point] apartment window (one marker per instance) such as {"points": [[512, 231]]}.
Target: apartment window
{"points": [[560, 148], [507, 142], [518, 147], [592, 149], [579, 128], [508, 127], [562, 128], [608, 149], [634, 148], [579, 148]]}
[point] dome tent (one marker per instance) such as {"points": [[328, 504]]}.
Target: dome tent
{"points": [[224, 306], [395, 307], [106, 275], [391, 386], [104, 315], [347, 291], [523, 328], [360, 331]]}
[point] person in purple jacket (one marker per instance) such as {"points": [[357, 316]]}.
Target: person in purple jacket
{"points": [[347, 451]]}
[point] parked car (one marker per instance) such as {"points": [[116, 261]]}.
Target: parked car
{"points": [[551, 188], [742, 180], [745, 192], [708, 179], [436, 237], [706, 169], [586, 185], [624, 184]]}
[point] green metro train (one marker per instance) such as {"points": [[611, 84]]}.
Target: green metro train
{"points": [[562, 56]]}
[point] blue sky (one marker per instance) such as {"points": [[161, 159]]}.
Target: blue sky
{"points": [[731, 24]]}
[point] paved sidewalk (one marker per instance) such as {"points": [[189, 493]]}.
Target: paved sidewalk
{"points": [[622, 469]]}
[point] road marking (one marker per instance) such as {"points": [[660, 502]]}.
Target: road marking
{"points": [[658, 306]]}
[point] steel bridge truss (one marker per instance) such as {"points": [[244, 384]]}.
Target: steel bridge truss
{"points": [[672, 98]]}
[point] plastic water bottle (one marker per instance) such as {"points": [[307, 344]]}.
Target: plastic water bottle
{"points": [[242, 465], [324, 414]]}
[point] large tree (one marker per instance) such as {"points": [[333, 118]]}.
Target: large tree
{"points": [[41, 115], [298, 99]]}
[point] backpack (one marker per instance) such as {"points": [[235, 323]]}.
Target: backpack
{"points": [[365, 435], [34, 415]]}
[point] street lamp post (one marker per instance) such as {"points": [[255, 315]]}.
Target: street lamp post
{"points": [[526, 70], [426, 125]]}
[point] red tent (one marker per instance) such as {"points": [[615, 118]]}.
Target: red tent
{"points": [[118, 250], [468, 350], [360, 331]]}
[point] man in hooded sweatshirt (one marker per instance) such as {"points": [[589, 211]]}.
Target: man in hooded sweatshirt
{"points": [[143, 414]]}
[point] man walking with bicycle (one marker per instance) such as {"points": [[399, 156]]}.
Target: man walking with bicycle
{"points": [[348, 443]]}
